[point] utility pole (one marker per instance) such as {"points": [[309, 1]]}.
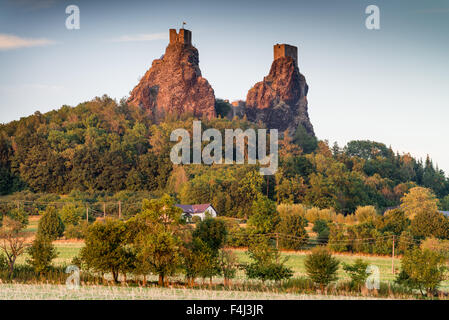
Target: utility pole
{"points": [[392, 258], [119, 209], [277, 241]]}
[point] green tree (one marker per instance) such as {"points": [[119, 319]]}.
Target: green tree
{"points": [[266, 263], [423, 270], [212, 232], [264, 216], [227, 262], [41, 253], [357, 272], [321, 267], [50, 224], [418, 200], [428, 224], [158, 253], [105, 247], [292, 224]]}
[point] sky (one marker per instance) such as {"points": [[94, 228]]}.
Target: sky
{"points": [[389, 85]]}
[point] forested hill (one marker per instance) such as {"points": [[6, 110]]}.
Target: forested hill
{"points": [[105, 146]]}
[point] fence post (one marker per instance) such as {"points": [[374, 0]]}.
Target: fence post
{"points": [[87, 214], [104, 210], [119, 209]]}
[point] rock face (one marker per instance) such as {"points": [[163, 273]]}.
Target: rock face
{"points": [[173, 84], [280, 100]]}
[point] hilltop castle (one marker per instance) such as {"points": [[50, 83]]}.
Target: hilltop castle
{"points": [[285, 50]]}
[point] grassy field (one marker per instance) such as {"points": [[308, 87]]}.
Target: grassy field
{"points": [[61, 292]]}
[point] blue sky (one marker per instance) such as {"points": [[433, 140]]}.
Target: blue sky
{"points": [[388, 85]]}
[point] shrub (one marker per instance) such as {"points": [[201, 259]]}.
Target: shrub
{"points": [[71, 214], [76, 231], [294, 225], [321, 267], [422, 270], [357, 272], [266, 263], [50, 225]]}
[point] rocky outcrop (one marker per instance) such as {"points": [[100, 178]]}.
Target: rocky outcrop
{"points": [[280, 100], [173, 84]]}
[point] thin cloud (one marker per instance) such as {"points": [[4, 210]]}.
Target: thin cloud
{"points": [[141, 37], [10, 42]]}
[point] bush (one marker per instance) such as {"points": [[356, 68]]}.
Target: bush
{"points": [[357, 272], [266, 263], [71, 214], [76, 231], [41, 253], [422, 270], [50, 225], [292, 224], [321, 267]]}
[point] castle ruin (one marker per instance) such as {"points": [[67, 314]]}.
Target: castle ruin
{"points": [[184, 36], [285, 50]]}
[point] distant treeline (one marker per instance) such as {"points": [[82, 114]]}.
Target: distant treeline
{"points": [[102, 146]]}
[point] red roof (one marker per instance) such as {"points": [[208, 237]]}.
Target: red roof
{"points": [[193, 208]]}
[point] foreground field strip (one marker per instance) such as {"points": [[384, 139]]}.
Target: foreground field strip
{"points": [[61, 292]]}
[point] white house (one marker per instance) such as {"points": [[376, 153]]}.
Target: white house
{"points": [[197, 210]]}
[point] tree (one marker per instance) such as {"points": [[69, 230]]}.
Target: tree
{"points": [[105, 247], [71, 214], [161, 212], [366, 214], [393, 221], [212, 232], [198, 259], [19, 214], [264, 217], [430, 223], [321, 267], [418, 200], [423, 270], [292, 224], [227, 262], [357, 272], [306, 141], [41, 253], [50, 224], [321, 227], [12, 241], [158, 253], [266, 264]]}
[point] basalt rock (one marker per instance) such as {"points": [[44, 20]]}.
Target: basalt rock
{"points": [[280, 100], [173, 84]]}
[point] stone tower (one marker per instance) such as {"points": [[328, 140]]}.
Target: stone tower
{"points": [[285, 50], [184, 36]]}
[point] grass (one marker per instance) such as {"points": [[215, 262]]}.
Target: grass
{"points": [[61, 292]]}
